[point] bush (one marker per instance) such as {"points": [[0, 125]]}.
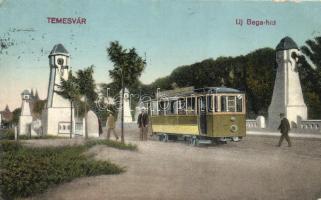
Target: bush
{"points": [[114, 144], [7, 134], [9, 145], [27, 171]]}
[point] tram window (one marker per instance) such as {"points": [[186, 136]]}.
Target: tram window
{"points": [[231, 104], [154, 108], [210, 104], [191, 108], [161, 108], [215, 104], [202, 103], [181, 106], [173, 108], [223, 104], [239, 104]]}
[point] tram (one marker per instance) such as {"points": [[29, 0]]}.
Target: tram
{"points": [[211, 113]]}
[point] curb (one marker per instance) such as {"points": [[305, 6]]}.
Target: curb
{"points": [[297, 135]]}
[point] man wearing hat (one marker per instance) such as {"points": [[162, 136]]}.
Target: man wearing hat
{"points": [[284, 129], [111, 126], [143, 124]]}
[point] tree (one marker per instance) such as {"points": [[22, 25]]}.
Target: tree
{"points": [[310, 76], [128, 67], [86, 84], [260, 76], [15, 116], [69, 90], [38, 106]]}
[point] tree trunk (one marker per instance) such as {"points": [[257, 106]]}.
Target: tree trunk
{"points": [[86, 128], [71, 120], [122, 112]]}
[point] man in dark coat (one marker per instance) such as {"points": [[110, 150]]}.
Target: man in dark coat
{"points": [[143, 124], [284, 129]]}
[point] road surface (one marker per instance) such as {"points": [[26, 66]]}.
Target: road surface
{"points": [[253, 168]]}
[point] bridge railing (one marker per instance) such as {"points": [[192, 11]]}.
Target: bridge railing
{"points": [[310, 124]]}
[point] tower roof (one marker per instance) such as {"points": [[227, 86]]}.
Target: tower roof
{"points": [[59, 49], [36, 95], [286, 43], [7, 109], [25, 92]]}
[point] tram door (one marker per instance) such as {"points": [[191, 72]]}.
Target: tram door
{"points": [[201, 102]]}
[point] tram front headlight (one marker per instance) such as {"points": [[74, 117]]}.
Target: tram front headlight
{"points": [[234, 128], [233, 119]]}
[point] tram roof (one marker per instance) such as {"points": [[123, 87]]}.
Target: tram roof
{"points": [[191, 90], [217, 90]]}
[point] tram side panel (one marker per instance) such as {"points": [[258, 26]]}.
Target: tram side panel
{"points": [[222, 125], [227, 125], [175, 124]]}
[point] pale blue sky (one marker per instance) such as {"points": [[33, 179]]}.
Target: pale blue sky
{"points": [[172, 33]]}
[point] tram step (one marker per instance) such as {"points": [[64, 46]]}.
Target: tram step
{"points": [[204, 141]]}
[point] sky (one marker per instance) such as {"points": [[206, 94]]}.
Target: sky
{"points": [[170, 33]]}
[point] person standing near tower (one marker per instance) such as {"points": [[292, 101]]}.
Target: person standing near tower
{"points": [[284, 129], [143, 124], [111, 126]]}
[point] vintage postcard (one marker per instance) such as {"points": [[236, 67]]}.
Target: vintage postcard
{"points": [[160, 99]]}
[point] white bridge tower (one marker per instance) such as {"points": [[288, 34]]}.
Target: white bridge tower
{"points": [[287, 93], [56, 116]]}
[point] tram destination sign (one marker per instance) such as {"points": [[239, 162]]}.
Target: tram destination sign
{"points": [[176, 92]]}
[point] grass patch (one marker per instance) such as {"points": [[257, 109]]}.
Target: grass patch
{"points": [[26, 171], [25, 137], [111, 143], [8, 134]]}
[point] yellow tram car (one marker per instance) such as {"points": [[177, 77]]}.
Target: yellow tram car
{"points": [[209, 113]]}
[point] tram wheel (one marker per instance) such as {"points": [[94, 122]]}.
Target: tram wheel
{"points": [[194, 141], [164, 138]]}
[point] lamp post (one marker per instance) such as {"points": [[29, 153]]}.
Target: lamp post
{"points": [[107, 93], [86, 130], [157, 92], [122, 106]]}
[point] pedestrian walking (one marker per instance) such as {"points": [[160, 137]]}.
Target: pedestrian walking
{"points": [[284, 129], [111, 126], [143, 124]]}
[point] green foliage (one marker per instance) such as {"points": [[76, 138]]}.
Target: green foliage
{"points": [[7, 134], [312, 100], [310, 76], [25, 137], [114, 144], [86, 83], [9, 146], [38, 106], [80, 108], [15, 116], [27, 171], [127, 65], [312, 50], [260, 75], [69, 89]]}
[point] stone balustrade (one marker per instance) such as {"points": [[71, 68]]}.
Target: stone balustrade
{"points": [[304, 126], [259, 122], [310, 124], [251, 123]]}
